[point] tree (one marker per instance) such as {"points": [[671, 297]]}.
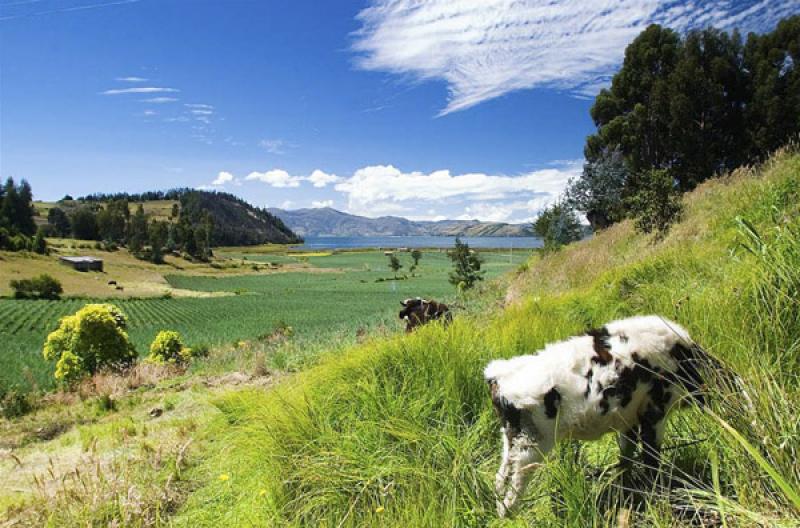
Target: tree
{"points": [[16, 209], [57, 218], [25, 212], [93, 338], [772, 61], [394, 263], [557, 225], [657, 202], [633, 115], [158, 233], [416, 255], [706, 102], [466, 266], [137, 231], [112, 221], [39, 244], [598, 191], [83, 221]]}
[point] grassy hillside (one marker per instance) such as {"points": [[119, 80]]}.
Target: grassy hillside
{"points": [[399, 432]]}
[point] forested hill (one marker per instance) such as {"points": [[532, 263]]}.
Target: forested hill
{"points": [[330, 222], [236, 222], [188, 217]]}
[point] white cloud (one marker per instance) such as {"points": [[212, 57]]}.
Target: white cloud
{"points": [[287, 204], [150, 113], [140, 90], [222, 178], [483, 49], [131, 79], [321, 179], [384, 189], [159, 100], [319, 204], [275, 178], [199, 105]]}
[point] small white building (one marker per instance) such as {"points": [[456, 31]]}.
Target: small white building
{"points": [[83, 263]]}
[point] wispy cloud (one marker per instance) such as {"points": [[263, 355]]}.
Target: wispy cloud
{"points": [[484, 49], [160, 100], [131, 79], [275, 146], [80, 7], [140, 90], [319, 204]]}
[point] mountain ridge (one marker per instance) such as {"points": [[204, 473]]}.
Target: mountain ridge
{"points": [[327, 221]]}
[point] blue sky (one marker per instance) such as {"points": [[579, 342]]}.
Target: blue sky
{"points": [[456, 108]]}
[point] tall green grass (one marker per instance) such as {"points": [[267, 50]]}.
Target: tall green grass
{"points": [[399, 432]]}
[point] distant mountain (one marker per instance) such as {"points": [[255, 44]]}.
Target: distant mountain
{"points": [[330, 222]]}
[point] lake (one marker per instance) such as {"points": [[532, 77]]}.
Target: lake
{"points": [[419, 242]]}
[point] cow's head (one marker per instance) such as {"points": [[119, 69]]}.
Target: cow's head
{"points": [[410, 307]]}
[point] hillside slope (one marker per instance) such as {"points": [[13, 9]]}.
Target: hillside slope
{"points": [[235, 221], [326, 221], [400, 432]]}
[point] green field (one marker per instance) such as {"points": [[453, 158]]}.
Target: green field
{"points": [[342, 296]]}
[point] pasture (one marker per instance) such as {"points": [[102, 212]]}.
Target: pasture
{"points": [[331, 293]]}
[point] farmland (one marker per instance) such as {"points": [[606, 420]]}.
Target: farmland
{"points": [[328, 293]]}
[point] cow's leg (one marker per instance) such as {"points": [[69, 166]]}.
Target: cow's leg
{"points": [[505, 464], [627, 446], [526, 456], [652, 435]]}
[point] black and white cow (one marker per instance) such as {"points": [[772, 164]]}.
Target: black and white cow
{"points": [[624, 377]]}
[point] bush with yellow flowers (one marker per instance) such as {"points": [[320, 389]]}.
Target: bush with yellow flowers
{"points": [[168, 347], [94, 337]]}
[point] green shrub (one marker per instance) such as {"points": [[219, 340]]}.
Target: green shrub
{"points": [[93, 338], [168, 347], [15, 403], [40, 287], [557, 225], [656, 202]]}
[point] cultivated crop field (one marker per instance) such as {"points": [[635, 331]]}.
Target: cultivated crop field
{"points": [[337, 293]]}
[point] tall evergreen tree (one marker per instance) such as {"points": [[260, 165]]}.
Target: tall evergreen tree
{"points": [[59, 221], [706, 101], [772, 61], [25, 212], [157, 235], [83, 222], [137, 231]]}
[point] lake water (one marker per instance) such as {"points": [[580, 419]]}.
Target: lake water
{"points": [[419, 242]]}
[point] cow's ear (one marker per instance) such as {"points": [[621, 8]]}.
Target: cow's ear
{"points": [[403, 303]]}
